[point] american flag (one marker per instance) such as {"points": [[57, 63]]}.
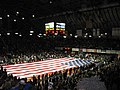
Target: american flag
{"points": [[27, 70]]}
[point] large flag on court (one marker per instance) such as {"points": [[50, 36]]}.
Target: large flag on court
{"points": [[27, 70]]}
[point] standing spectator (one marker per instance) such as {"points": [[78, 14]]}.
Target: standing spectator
{"points": [[34, 80], [39, 85]]}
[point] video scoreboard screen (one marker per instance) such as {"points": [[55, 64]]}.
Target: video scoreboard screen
{"points": [[52, 28], [60, 28], [49, 27]]}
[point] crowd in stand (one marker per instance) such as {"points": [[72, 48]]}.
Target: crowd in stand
{"points": [[56, 81], [33, 44], [61, 80], [22, 58], [101, 43], [45, 55], [111, 76]]}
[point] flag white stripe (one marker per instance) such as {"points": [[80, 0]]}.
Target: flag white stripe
{"points": [[37, 68]]}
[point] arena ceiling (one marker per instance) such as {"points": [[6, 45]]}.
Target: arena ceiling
{"points": [[72, 12], [47, 7]]}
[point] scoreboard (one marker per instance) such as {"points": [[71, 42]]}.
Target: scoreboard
{"points": [[49, 27], [60, 28], [52, 28]]}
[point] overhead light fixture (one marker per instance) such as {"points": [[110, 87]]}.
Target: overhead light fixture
{"points": [[23, 18], [44, 34], [30, 34], [56, 34], [20, 35], [17, 12], [76, 36], [90, 36], [14, 20], [50, 2], [8, 34], [64, 36], [16, 33], [40, 34], [0, 34], [0, 17], [99, 36], [85, 36], [33, 15], [8, 15], [105, 33], [70, 34], [31, 31]]}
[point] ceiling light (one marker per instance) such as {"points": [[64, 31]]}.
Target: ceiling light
{"points": [[56, 34], [31, 31], [30, 34], [8, 33], [90, 36], [101, 34], [70, 34], [105, 33], [17, 12], [40, 34], [0, 34], [64, 36], [14, 20], [33, 15], [16, 33], [8, 15], [85, 36], [76, 36], [50, 2], [23, 18], [0, 17], [44, 34], [20, 35]]}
